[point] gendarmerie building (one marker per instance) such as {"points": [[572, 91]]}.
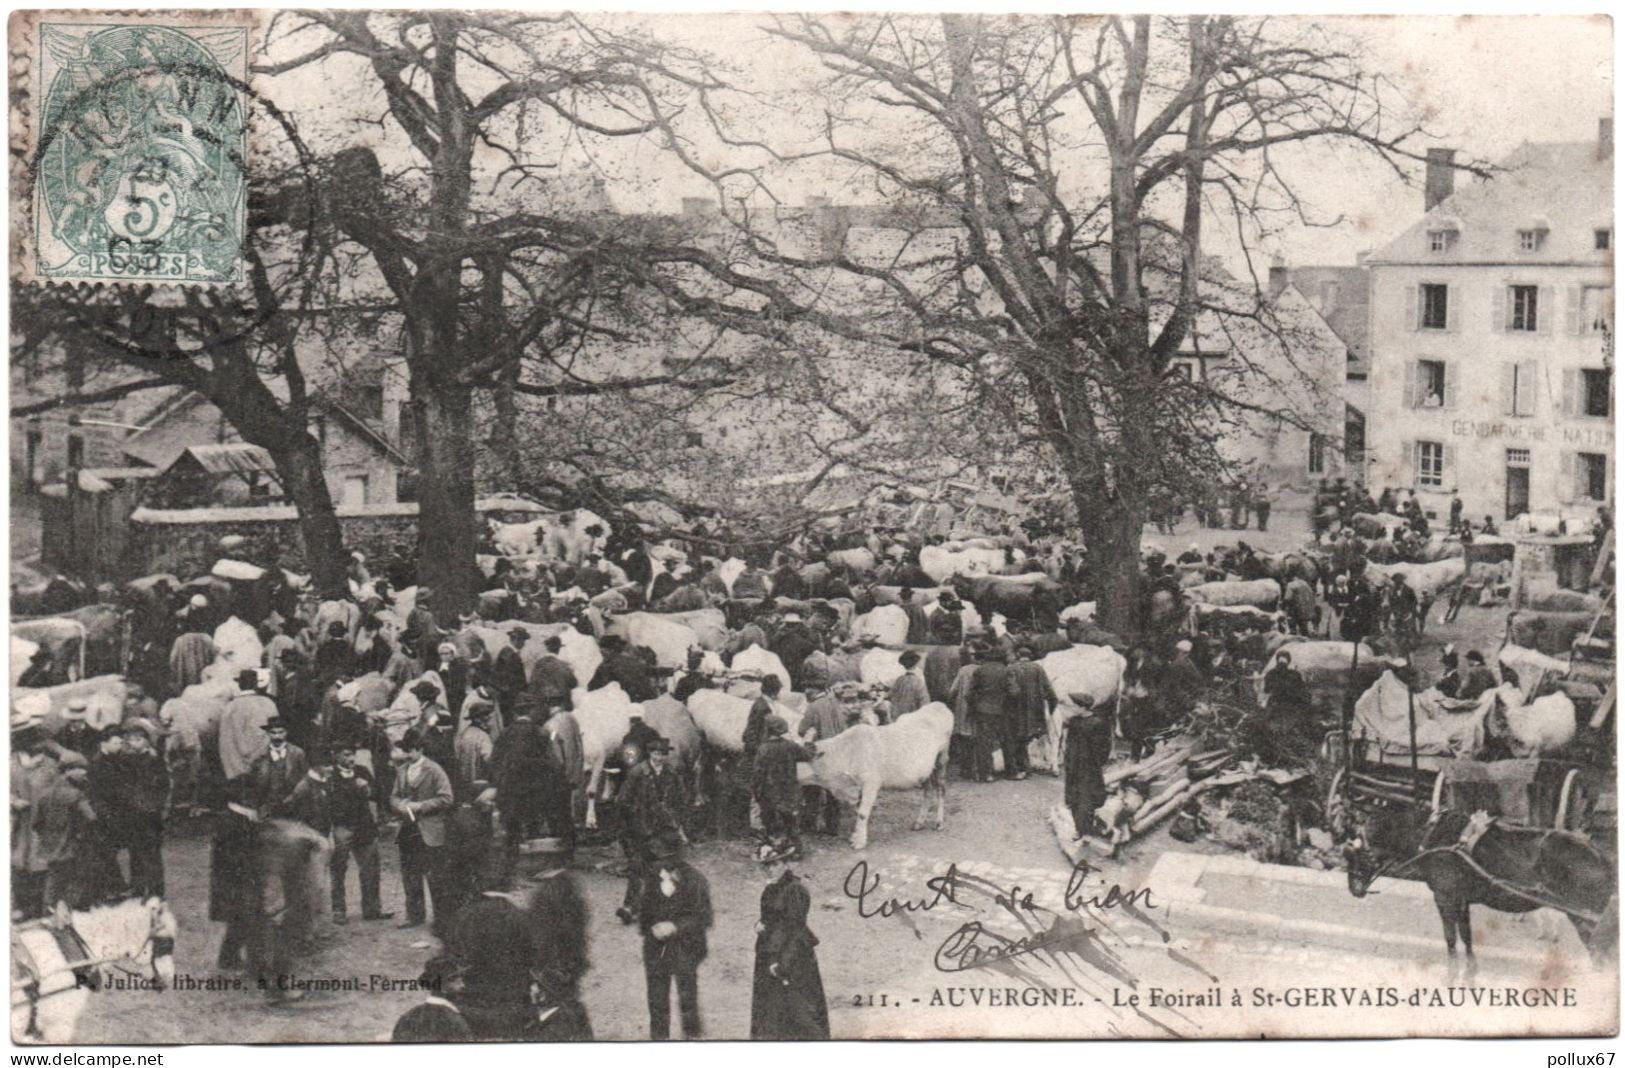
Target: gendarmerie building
{"points": [[1492, 337]]}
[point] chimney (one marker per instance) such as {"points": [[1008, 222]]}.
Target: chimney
{"points": [[1605, 137], [1278, 274], [1441, 177]]}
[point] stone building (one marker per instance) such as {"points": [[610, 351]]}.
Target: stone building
{"points": [[1492, 337]]}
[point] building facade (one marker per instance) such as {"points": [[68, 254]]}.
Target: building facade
{"points": [[1491, 334]]}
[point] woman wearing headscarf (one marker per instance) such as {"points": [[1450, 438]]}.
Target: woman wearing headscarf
{"points": [[787, 1000]]}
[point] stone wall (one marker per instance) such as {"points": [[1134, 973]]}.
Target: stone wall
{"points": [[186, 542]]}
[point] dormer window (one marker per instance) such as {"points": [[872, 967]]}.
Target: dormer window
{"points": [[1529, 240], [1440, 240], [1603, 240]]}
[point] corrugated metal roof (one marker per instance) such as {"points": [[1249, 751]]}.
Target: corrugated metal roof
{"points": [[235, 459]]}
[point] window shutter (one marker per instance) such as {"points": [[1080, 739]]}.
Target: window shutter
{"points": [[1545, 308], [1566, 477], [1449, 384], [1529, 381], [1499, 316], [1413, 311], [1452, 311], [1410, 384], [1408, 451], [1571, 391], [1449, 471], [1572, 318], [1509, 393]]}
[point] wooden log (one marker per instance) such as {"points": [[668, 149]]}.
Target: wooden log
{"points": [[1150, 816], [1167, 757]]}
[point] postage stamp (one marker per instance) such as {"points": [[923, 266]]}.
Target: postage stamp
{"points": [[139, 137]]}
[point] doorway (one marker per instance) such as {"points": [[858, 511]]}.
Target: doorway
{"points": [[1517, 482]]}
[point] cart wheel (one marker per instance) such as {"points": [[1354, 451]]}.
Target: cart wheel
{"points": [[1574, 802], [1336, 810]]}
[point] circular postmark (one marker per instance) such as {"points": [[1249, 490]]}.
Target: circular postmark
{"points": [[151, 177]]}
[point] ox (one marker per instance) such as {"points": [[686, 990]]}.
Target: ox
{"points": [[1428, 580], [861, 761], [1260, 593], [1092, 671]]}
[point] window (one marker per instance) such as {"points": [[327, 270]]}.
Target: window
{"points": [[1440, 240], [1517, 457], [1429, 384], [1593, 475], [406, 485], [1429, 463], [1603, 240], [1182, 369], [406, 432], [1524, 305], [1520, 383], [1317, 454], [1594, 392], [1596, 309], [353, 493], [1435, 306], [1530, 240], [695, 439]]}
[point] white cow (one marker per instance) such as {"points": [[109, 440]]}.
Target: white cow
{"points": [[857, 561], [605, 715], [729, 570], [1095, 671], [880, 667], [722, 716], [861, 761], [1260, 593], [1428, 580], [1541, 726], [942, 564], [520, 539], [664, 636], [968, 614], [1531, 666], [1083, 612], [887, 624]]}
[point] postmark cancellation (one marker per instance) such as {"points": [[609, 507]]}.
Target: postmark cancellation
{"points": [[134, 134]]}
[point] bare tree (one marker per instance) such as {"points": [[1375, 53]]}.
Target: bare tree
{"points": [[480, 274], [1083, 163]]}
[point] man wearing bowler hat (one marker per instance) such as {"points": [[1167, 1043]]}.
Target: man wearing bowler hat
{"points": [[674, 915]]}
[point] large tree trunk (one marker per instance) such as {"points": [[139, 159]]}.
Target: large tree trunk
{"points": [[504, 437], [299, 463], [1112, 524], [446, 536]]}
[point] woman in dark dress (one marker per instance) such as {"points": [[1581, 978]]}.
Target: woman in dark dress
{"points": [[787, 1000]]}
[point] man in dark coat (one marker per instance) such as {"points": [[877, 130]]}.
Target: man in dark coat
{"points": [[508, 679], [622, 665], [1035, 701], [521, 764], [652, 805], [335, 657], [947, 625], [1086, 743], [990, 700], [793, 643], [552, 679], [1284, 688], [276, 771], [355, 834], [787, 1001], [1449, 684], [674, 915], [919, 624], [737, 814], [1480, 679]]}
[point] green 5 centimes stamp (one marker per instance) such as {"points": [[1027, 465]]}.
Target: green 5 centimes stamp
{"points": [[141, 136]]}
